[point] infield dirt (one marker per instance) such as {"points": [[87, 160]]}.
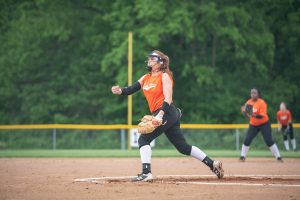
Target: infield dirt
{"points": [[53, 178]]}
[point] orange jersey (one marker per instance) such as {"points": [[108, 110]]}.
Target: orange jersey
{"points": [[153, 91], [284, 117], [259, 107]]}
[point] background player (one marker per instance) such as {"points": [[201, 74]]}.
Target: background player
{"points": [[284, 119], [157, 86], [256, 109]]}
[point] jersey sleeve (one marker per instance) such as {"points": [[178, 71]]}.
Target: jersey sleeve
{"points": [[142, 79], [263, 108]]}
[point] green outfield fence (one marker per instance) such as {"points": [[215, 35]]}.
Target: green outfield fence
{"points": [[230, 133]]}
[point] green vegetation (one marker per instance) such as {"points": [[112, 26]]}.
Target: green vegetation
{"points": [[59, 59], [129, 153]]}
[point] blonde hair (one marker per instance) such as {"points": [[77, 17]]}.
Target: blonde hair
{"points": [[165, 65]]}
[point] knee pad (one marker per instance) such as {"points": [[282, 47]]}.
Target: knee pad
{"points": [[143, 141]]}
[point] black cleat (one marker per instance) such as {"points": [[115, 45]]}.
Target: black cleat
{"points": [[279, 159], [242, 158]]}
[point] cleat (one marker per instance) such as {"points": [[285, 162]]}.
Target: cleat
{"points": [[217, 169], [279, 159], [242, 159], [143, 178]]}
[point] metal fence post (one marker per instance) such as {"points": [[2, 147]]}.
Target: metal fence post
{"points": [[54, 139], [237, 139], [122, 135]]}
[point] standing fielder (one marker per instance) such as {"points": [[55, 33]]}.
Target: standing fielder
{"points": [[284, 119], [157, 86], [256, 110]]}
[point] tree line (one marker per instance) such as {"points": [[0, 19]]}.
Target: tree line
{"points": [[59, 59]]}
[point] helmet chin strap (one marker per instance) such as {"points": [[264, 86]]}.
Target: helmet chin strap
{"points": [[149, 68]]}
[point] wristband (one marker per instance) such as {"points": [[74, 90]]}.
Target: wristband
{"points": [[165, 107]]}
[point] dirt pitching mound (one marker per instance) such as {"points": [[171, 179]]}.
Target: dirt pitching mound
{"points": [[196, 179]]}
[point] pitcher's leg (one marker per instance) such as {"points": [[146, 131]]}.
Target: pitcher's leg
{"points": [[146, 153], [176, 137], [145, 148]]}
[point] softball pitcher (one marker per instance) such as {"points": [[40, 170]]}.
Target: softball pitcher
{"points": [[157, 86]]}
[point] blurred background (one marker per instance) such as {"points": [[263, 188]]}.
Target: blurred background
{"points": [[59, 59]]}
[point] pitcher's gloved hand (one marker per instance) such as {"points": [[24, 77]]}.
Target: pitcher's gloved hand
{"points": [[148, 124]]}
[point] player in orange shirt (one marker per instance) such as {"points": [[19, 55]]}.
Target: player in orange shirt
{"points": [[256, 109], [157, 86], [284, 119]]}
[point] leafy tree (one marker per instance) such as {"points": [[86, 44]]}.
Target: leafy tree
{"points": [[59, 59]]}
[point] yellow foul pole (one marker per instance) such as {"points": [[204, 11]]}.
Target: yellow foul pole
{"points": [[129, 112]]}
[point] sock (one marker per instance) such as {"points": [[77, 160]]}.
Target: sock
{"points": [[275, 151], [200, 155], [197, 153], [294, 143], [145, 152], [286, 145], [209, 162], [146, 168], [245, 150]]}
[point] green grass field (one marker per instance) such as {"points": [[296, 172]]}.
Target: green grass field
{"points": [[128, 153]]}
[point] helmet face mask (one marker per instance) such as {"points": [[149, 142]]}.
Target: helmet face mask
{"points": [[155, 57]]}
